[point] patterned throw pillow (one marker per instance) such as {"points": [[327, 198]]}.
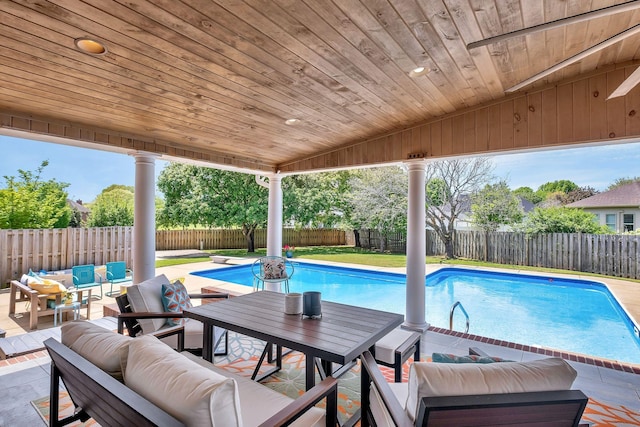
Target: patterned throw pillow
{"points": [[175, 298], [452, 358], [274, 269]]}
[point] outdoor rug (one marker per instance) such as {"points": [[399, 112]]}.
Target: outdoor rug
{"points": [[244, 353]]}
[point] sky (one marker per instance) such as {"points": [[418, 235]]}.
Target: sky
{"points": [[90, 171]]}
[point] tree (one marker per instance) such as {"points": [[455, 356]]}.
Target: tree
{"points": [[561, 220], [317, 200], [379, 200], [29, 202], [449, 183], [527, 193], [552, 193], [213, 198], [495, 205], [563, 185], [622, 181], [112, 207]]}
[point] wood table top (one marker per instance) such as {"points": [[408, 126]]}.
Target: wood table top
{"points": [[340, 335]]}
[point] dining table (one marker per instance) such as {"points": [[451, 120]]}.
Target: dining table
{"points": [[339, 335]]}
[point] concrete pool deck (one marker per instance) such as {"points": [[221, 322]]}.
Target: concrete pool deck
{"points": [[26, 377]]}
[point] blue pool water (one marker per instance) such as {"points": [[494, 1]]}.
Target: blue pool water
{"points": [[574, 315]]}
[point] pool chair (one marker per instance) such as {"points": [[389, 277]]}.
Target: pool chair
{"points": [[118, 274], [84, 276], [271, 269], [473, 394], [155, 307]]}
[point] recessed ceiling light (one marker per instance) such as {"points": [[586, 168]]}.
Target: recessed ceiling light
{"points": [[419, 71], [292, 121], [90, 46]]}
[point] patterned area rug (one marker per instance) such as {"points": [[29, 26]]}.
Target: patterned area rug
{"points": [[244, 353]]}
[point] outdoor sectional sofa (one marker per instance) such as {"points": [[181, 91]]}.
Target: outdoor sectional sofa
{"points": [[122, 381]]}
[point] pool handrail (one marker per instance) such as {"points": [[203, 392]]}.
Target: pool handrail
{"points": [[466, 315]]}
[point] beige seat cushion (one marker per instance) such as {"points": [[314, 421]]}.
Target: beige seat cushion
{"points": [[258, 402], [147, 297], [194, 395], [444, 379], [96, 344], [193, 335]]}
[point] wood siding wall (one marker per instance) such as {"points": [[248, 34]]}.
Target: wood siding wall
{"points": [[61, 248], [607, 254], [569, 113]]}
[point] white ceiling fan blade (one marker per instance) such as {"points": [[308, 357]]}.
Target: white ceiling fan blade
{"points": [[577, 57], [629, 83], [598, 13]]}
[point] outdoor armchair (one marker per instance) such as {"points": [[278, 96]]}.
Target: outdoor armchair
{"points": [[464, 394], [143, 311]]}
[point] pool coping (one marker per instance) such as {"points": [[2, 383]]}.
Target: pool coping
{"points": [[574, 357]]}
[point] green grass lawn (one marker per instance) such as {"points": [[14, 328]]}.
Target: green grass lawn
{"points": [[351, 255]]}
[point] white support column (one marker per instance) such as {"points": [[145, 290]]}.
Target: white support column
{"points": [[144, 219], [274, 221], [416, 248]]}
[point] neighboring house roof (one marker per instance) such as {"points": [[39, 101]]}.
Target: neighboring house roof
{"points": [[625, 195], [78, 206]]}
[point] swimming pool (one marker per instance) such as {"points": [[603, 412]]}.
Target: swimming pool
{"points": [[574, 315]]}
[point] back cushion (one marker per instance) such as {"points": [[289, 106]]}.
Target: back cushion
{"points": [[195, 395], [443, 379], [96, 344], [147, 297]]}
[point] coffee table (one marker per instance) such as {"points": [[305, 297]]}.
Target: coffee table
{"points": [[339, 336]]}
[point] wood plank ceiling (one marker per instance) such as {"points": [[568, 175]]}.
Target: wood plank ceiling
{"points": [[217, 80]]}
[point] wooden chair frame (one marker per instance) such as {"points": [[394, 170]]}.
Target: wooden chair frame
{"points": [[38, 302]]}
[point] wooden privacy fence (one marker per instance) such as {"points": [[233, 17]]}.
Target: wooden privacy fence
{"points": [[607, 254], [234, 239], [61, 248]]}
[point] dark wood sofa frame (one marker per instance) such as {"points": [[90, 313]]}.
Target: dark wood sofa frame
{"points": [[555, 408], [98, 395]]}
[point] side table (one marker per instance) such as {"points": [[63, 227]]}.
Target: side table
{"points": [[61, 308]]}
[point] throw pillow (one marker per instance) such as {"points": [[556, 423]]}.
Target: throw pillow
{"points": [[175, 298], [428, 379], [452, 358], [48, 287], [274, 269], [194, 395], [28, 279]]}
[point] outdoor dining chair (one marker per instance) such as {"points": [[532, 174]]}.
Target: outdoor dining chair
{"points": [[271, 269]]}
